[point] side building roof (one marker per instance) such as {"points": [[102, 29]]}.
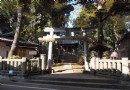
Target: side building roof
{"points": [[8, 38]]}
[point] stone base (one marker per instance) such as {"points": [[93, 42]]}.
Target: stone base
{"points": [[86, 72], [93, 72]]}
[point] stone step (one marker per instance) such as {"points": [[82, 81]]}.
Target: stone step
{"points": [[111, 81], [91, 83], [66, 68]]}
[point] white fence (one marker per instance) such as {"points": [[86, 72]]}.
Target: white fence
{"points": [[22, 66], [110, 67]]}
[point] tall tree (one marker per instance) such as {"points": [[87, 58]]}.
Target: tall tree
{"points": [[10, 7], [97, 14], [17, 33], [42, 13], [114, 28]]}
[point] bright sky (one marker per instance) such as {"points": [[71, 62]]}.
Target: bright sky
{"points": [[73, 14]]}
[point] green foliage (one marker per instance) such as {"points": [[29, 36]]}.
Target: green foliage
{"points": [[15, 57], [81, 59], [113, 27], [8, 7], [38, 14], [106, 54], [44, 13], [87, 17], [57, 15]]}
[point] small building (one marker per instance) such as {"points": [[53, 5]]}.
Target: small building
{"points": [[123, 46], [25, 48]]}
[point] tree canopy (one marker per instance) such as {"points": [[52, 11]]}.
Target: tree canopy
{"points": [[114, 15], [37, 14]]}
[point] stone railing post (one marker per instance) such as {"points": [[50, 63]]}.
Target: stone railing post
{"points": [[97, 63], [93, 65], [38, 64], [0, 62], [114, 67], [118, 68], [23, 65], [109, 67], [15, 65], [105, 65], [43, 62], [125, 69], [11, 65], [101, 65]]}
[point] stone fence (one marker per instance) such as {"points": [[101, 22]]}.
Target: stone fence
{"points": [[110, 67], [22, 66]]}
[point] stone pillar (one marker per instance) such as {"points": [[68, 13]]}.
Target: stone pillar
{"points": [[125, 69], [105, 66], [85, 57], [11, 65], [109, 67], [118, 67], [97, 63], [15, 65], [49, 60], [43, 62], [101, 65], [93, 65], [23, 65], [114, 67]]}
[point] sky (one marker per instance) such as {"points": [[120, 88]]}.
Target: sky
{"points": [[73, 15]]}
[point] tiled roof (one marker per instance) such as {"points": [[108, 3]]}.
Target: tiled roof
{"points": [[21, 42]]}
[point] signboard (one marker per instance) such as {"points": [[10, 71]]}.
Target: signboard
{"points": [[32, 53]]}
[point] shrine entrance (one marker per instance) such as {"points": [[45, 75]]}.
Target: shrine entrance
{"points": [[68, 53], [71, 47]]}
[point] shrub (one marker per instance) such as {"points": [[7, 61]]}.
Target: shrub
{"points": [[15, 57], [81, 59]]}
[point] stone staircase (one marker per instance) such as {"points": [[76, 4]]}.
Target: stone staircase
{"points": [[89, 82], [64, 68]]}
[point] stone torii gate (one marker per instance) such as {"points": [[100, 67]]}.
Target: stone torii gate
{"points": [[53, 37]]}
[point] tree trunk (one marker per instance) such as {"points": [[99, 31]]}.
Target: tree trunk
{"points": [[115, 32], [17, 32]]}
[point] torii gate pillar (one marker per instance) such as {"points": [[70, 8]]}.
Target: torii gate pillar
{"points": [[49, 60], [86, 55], [50, 37]]}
